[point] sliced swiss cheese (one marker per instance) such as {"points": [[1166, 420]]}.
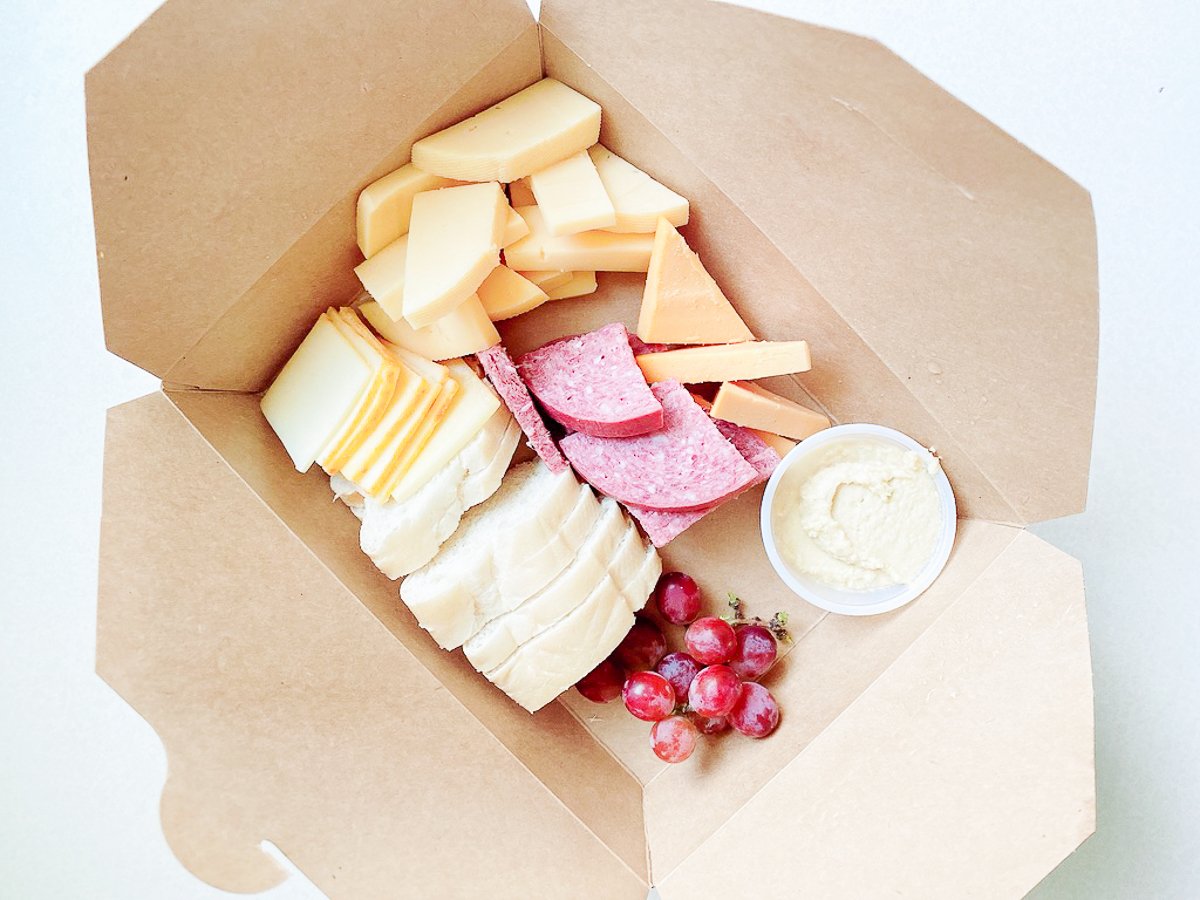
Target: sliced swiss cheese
{"points": [[461, 332], [528, 131], [315, 392], [505, 294], [521, 194], [514, 228], [753, 406], [383, 276], [638, 200], [453, 243], [571, 196], [727, 362], [595, 251], [681, 303], [385, 206], [471, 408], [547, 280], [580, 285]]}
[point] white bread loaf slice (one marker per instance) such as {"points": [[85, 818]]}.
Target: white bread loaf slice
{"points": [[545, 666], [454, 594], [348, 492], [401, 536], [499, 638]]}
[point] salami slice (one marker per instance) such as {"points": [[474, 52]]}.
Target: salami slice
{"points": [[508, 384], [686, 465], [590, 383], [638, 346], [663, 527]]}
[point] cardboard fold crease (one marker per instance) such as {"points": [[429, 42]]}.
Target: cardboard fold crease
{"points": [[945, 277]]}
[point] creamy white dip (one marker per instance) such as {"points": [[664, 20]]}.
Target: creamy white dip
{"points": [[858, 514]]}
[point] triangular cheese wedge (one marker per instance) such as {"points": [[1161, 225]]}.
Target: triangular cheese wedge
{"points": [[383, 276], [461, 332], [639, 200], [581, 284], [505, 294], [682, 304], [472, 407]]}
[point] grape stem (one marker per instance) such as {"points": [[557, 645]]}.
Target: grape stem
{"points": [[777, 624]]}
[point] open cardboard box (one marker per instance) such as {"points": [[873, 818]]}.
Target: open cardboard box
{"points": [[946, 279]]}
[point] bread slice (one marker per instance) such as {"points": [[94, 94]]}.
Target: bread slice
{"points": [[483, 480], [637, 589], [457, 591], [522, 571], [499, 638]]}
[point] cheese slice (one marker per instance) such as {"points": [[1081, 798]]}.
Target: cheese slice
{"points": [[453, 243], [776, 442], [753, 406], [498, 639], [372, 407], [473, 405], [514, 228], [638, 200], [521, 194], [547, 280], [461, 332], [528, 131], [727, 362], [581, 284], [571, 196], [385, 206], [408, 455], [681, 303], [383, 276], [315, 392], [597, 251], [404, 402], [505, 294]]}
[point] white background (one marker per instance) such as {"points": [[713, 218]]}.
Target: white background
{"points": [[1108, 91]]}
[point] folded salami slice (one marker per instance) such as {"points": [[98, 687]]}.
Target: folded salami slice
{"points": [[638, 346], [662, 527], [686, 465], [591, 383], [508, 384]]}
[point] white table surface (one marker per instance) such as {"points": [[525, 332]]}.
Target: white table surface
{"points": [[1108, 91]]}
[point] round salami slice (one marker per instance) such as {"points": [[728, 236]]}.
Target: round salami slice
{"points": [[686, 465]]}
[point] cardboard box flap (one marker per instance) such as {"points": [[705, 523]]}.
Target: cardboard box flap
{"points": [[965, 770], [289, 713], [219, 134], [963, 260]]}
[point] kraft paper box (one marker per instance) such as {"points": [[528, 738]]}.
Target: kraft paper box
{"points": [[945, 277]]}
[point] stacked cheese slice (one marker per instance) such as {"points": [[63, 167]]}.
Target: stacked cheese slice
{"points": [[383, 416], [538, 584]]}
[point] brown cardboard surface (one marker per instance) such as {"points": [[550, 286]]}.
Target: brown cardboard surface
{"points": [[218, 135], [289, 714], [945, 277], [963, 261]]}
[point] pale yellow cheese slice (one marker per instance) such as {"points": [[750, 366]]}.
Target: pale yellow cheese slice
{"points": [[581, 283], [528, 131], [453, 243], [315, 392], [461, 332], [638, 200], [547, 280], [521, 194], [571, 196], [776, 442], [681, 303], [373, 406], [596, 251], [405, 402], [384, 206], [727, 362], [421, 437], [470, 409], [505, 294], [383, 276], [514, 228], [753, 406]]}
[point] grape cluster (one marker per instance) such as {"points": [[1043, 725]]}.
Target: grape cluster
{"points": [[707, 690]]}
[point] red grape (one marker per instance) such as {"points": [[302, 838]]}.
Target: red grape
{"points": [[642, 648], [673, 739], [679, 669], [678, 597], [755, 714], [711, 640], [648, 696], [755, 654], [714, 691], [710, 724], [603, 683]]}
